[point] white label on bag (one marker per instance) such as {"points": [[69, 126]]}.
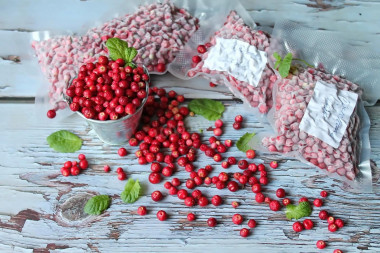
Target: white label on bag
{"points": [[328, 113], [238, 58]]}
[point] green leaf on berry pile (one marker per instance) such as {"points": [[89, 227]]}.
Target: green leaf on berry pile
{"points": [[208, 108], [64, 141], [97, 204], [243, 143], [296, 212], [131, 191], [283, 65], [118, 48]]}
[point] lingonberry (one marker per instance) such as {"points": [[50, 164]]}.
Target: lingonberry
{"points": [[234, 204], [297, 226], [81, 157], [337, 251], [189, 201], [142, 160], [239, 118], [167, 185], [211, 222], [223, 176], [208, 168], [218, 131], [237, 175], [256, 188], [155, 167], [133, 142], [106, 168], [318, 202], [203, 201], [233, 186], [154, 178], [237, 219], [182, 194], [260, 198], [162, 215], [250, 154], [202, 173], [201, 49], [308, 224], [218, 123], [176, 182], [75, 171], [225, 165], [196, 194], [207, 180], [263, 173], [173, 190], [198, 180], [244, 232], [321, 244], [231, 160], [332, 227], [167, 171], [214, 180], [217, 158], [221, 148], [251, 223], [280, 193], [156, 196], [274, 205], [141, 210], [323, 215], [51, 114], [324, 194], [261, 167], [193, 174], [252, 167], [286, 201], [189, 167], [243, 179], [121, 176], [267, 200], [196, 59], [243, 164], [65, 171], [303, 199], [190, 217], [119, 170], [83, 164], [190, 184], [228, 143], [68, 164], [122, 152], [339, 223], [220, 185], [330, 220], [216, 200], [236, 125]]}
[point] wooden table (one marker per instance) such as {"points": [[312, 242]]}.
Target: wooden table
{"points": [[33, 192]]}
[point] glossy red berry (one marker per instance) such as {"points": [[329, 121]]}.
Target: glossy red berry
{"points": [[236, 125], [182, 194], [234, 204], [321, 244], [275, 205], [286, 201], [189, 201], [233, 186], [324, 194], [173, 190], [176, 182], [318, 202], [190, 184], [196, 59], [260, 198], [75, 171], [256, 188], [243, 164], [252, 223], [202, 201], [162, 215], [51, 114], [218, 123], [239, 118], [201, 49], [330, 220], [273, 165], [297, 226], [339, 223], [81, 157], [216, 200], [156, 196], [323, 215], [250, 154], [308, 224], [106, 168], [68, 164], [121, 176], [190, 217], [303, 199], [119, 170], [141, 210], [154, 178], [280, 193], [231, 160], [237, 219], [167, 185], [65, 171], [211, 222], [122, 152], [332, 227]]}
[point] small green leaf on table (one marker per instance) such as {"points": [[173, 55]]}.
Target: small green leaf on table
{"points": [[131, 191], [296, 212], [243, 143], [97, 204], [208, 108], [64, 141]]}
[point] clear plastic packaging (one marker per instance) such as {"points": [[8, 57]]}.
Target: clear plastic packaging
{"points": [[236, 24]]}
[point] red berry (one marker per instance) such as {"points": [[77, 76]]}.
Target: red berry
{"points": [[106, 168], [250, 154], [308, 224], [189, 201], [218, 131], [324, 194], [51, 114], [218, 123], [261, 167], [259, 197], [339, 223], [323, 215], [83, 164], [201, 49], [216, 200], [225, 165], [273, 164], [297, 226], [321, 244], [141, 210], [286, 201], [337, 251], [256, 188], [68, 164], [173, 190], [196, 59], [330, 220], [237, 219], [167, 185], [154, 178], [318, 202], [252, 167], [176, 182], [75, 171], [236, 125], [119, 170], [203, 201], [190, 184], [233, 186], [207, 181], [121, 176], [217, 157], [244, 232], [155, 167], [122, 152], [161, 215], [196, 194], [65, 171], [157, 196], [239, 118], [243, 164], [182, 194], [231, 160], [332, 227], [234, 204], [190, 217], [220, 185], [212, 84], [211, 222], [280, 193], [251, 223], [161, 67], [223, 176], [81, 157], [274, 205], [303, 199]]}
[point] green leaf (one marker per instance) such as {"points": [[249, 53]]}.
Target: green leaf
{"points": [[297, 212], [278, 60], [116, 48], [285, 65], [243, 143], [210, 109], [131, 191], [97, 204], [130, 53], [64, 141]]}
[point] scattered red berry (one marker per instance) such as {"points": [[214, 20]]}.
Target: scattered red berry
{"points": [[339, 223], [251, 223], [273, 164], [337, 251], [321, 244], [51, 114], [332, 227], [303, 199], [216, 200], [318, 202], [157, 196], [190, 217], [274, 205], [122, 152], [201, 49], [239, 118], [154, 178], [106, 168], [161, 215], [211, 222], [121, 176], [218, 123], [243, 164], [280, 193], [141, 210], [324, 194], [323, 215], [286, 201], [234, 204], [330, 220], [189, 201], [259, 197], [81, 157], [308, 224], [297, 226], [250, 154], [236, 125], [244, 232], [237, 219]]}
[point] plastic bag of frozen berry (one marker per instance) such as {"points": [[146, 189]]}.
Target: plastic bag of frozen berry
{"points": [[318, 118], [230, 50]]}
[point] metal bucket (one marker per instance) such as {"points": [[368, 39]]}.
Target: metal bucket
{"points": [[119, 131]]}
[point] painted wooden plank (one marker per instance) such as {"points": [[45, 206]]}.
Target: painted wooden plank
{"points": [[33, 191]]}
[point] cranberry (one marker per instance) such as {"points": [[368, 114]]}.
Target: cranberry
{"points": [[216, 200], [51, 114], [243, 179], [233, 186], [167, 185], [161, 215], [119, 170], [142, 160], [236, 125], [207, 181], [273, 164], [81, 157], [337, 251], [234, 204], [274, 205], [321, 244], [217, 158], [256, 188], [251, 223], [218, 123], [212, 85], [196, 59], [121, 176], [225, 165], [263, 180], [332, 227], [154, 178], [223, 176], [141, 210], [339, 223], [65, 171], [253, 180], [68, 164], [156, 196], [259, 197], [243, 164], [231, 160], [250, 154], [173, 190], [182, 194], [189, 201], [228, 143], [324, 194], [75, 171], [323, 215], [203, 201], [196, 194], [190, 217], [220, 185], [221, 148], [211, 222], [303, 199], [308, 224], [161, 67], [176, 182], [261, 167], [297, 226], [318, 202], [330, 220], [286, 201], [237, 219], [201, 49], [122, 152], [106, 168], [218, 131], [190, 184], [239, 118], [167, 171], [252, 167], [244, 232], [155, 167], [280, 193]]}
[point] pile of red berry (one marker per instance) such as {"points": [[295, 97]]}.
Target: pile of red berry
{"points": [[74, 168], [106, 90]]}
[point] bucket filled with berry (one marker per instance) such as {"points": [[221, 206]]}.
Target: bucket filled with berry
{"points": [[110, 93]]}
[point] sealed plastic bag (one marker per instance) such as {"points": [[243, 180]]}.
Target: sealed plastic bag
{"points": [[157, 30], [233, 53]]}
